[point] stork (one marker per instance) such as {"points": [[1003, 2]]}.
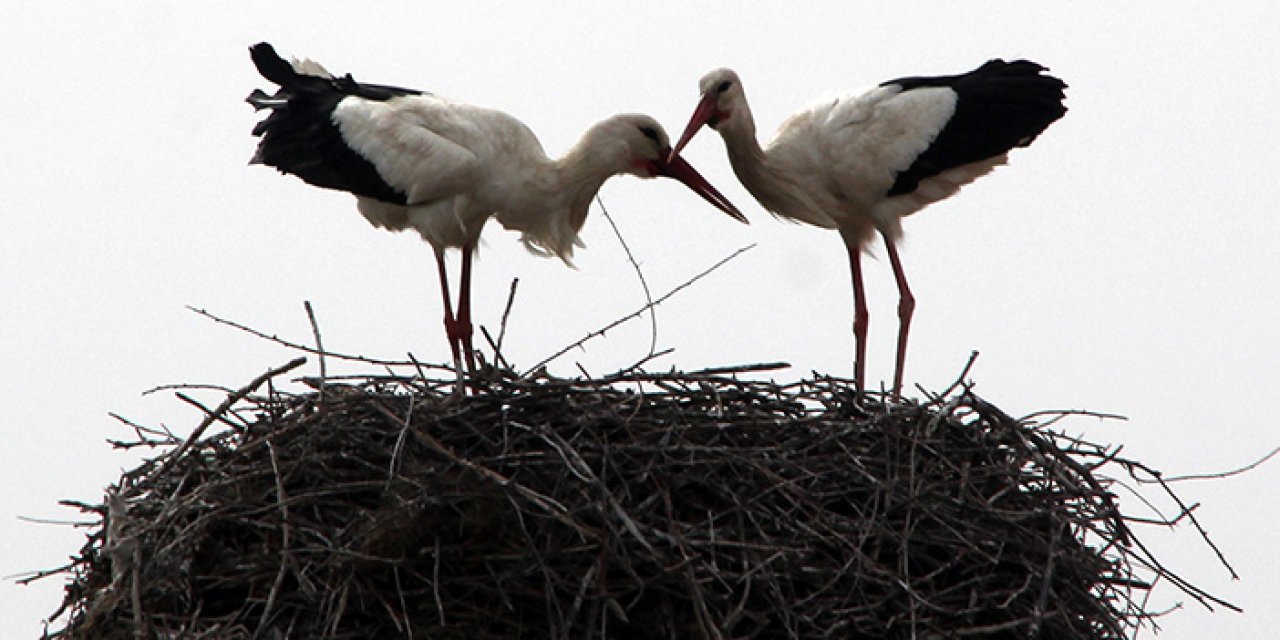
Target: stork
{"points": [[861, 162], [443, 168]]}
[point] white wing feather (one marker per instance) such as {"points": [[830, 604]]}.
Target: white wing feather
{"points": [[870, 139], [419, 144], [857, 144]]}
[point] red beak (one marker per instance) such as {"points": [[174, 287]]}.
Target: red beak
{"points": [[706, 108], [673, 166]]}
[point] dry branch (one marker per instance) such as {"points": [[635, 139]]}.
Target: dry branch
{"points": [[638, 312]]}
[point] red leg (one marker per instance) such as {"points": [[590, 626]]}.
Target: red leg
{"points": [[906, 307], [860, 316], [450, 323], [464, 310]]}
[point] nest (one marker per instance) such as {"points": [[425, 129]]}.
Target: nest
{"points": [[680, 505]]}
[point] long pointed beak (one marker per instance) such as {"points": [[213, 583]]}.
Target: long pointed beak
{"points": [[706, 107], [673, 166]]}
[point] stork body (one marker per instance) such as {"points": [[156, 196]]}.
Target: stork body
{"points": [[861, 162], [443, 168]]}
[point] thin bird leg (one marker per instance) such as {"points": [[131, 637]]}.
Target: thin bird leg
{"points": [[449, 322], [464, 310], [906, 307], [859, 314]]}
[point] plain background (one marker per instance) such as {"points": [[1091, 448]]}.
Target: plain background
{"points": [[1124, 263]]}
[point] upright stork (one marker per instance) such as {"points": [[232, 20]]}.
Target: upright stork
{"points": [[442, 168], [859, 163]]}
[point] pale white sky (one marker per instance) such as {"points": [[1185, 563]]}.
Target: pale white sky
{"points": [[1124, 263]]}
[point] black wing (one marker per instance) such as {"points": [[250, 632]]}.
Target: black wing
{"points": [[999, 106], [300, 138]]}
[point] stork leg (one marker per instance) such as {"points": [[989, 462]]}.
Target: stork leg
{"points": [[906, 307], [859, 314], [464, 327], [450, 324]]}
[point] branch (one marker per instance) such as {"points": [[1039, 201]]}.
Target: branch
{"points": [[1226, 474], [300, 347], [222, 408], [315, 331], [648, 296], [638, 312]]}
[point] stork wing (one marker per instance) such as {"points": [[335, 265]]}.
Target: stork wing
{"points": [[861, 142], [882, 132], [420, 144]]}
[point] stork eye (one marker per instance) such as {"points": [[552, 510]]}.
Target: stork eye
{"points": [[724, 86], [650, 133]]}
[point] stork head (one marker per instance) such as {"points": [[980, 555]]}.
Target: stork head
{"points": [[721, 96], [648, 154]]}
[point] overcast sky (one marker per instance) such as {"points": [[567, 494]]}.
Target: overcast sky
{"points": [[1125, 263]]}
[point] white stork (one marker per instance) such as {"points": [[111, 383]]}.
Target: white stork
{"points": [[442, 168], [860, 162]]}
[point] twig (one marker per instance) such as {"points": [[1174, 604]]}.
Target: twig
{"points": [[435, 583], [637, 313], [1204, 535], [960, 379], [187, 386], [1058, 414], [63, 523], [302, 347], [741, 368], [1224, 474], [222, 408], [282, 501], [493, 344], [135, 594], [146, 432], [644, 284], [219, 416], [404, 605], [393, 465], [502, 326], [636, 366], [315, 331]]}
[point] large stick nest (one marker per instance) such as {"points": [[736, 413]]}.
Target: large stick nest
{"points": [[695, 505]]}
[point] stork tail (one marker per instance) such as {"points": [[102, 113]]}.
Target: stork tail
{"points": [[271, 65], [260, 100]]}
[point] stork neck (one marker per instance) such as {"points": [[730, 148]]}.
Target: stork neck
{"points": [[745, 153], [739, 134], [739, 131], [773, 186], [749, 161], [579, 175], [556, 197]]}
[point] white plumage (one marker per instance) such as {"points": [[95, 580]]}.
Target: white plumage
{"points": [[442, 168], [859, 163]]}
